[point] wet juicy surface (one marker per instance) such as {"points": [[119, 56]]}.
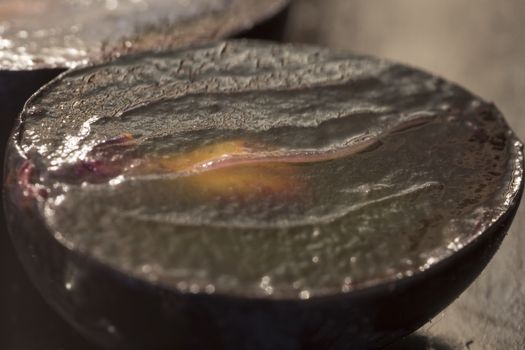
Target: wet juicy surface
{"points": [[254, 169], [66, 33]]}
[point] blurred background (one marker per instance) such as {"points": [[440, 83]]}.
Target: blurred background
{"points": [[479, 44]]}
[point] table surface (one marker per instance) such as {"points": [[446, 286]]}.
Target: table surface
{"points": [[476, 43]]}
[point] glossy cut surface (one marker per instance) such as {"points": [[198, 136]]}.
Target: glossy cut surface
{"points": [[67, 33], [251, 169]]}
